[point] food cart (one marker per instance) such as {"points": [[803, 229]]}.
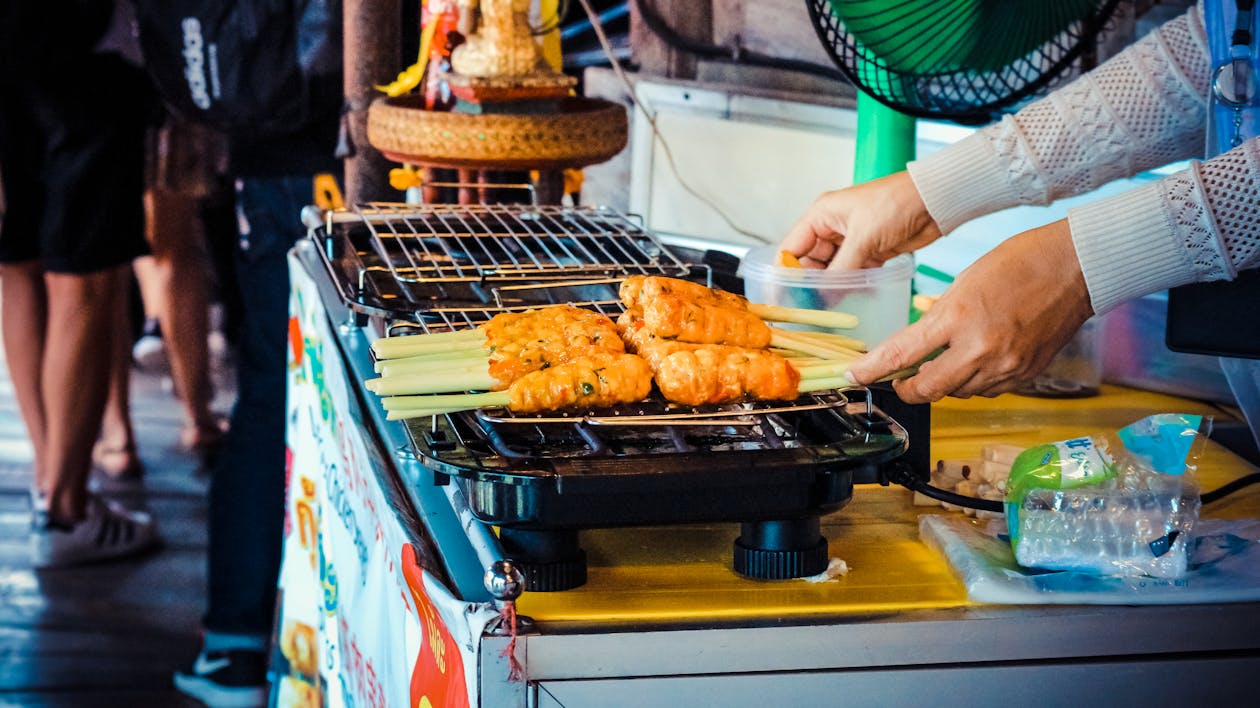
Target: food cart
{"points": [[648, 556], [393, 591]]}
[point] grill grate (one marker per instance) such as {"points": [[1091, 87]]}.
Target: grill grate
{"points": [[450, 319], [497, 439], [397, 260]]}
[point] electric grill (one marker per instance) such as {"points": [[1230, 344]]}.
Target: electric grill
{"points": [[773, 466]]}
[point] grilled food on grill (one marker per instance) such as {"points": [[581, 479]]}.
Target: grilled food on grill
{"points": [[508, 346], [564, 357], [696, 374], [537, 339], [597, 381], [637, 289], [515, 345], [673, 317], [690, 312], [587, 382]]}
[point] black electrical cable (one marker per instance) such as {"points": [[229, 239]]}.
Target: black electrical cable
{"points": [[902, 475], [948, 497], [1227, 489], [659, 27]]}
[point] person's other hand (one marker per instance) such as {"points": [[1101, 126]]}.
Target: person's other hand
{"points": [[999, 323], [863, 226]]}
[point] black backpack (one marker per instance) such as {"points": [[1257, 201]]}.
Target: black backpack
{"points": [[40, 43], [243, 66]]}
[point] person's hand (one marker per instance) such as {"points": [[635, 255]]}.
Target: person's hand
{"points": [[1000, 323], [863, 226]]}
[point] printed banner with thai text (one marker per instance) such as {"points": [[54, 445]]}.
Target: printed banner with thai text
{"points": [[361, 623]]}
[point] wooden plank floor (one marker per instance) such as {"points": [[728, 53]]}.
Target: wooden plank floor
{"points": [[110, 634]]}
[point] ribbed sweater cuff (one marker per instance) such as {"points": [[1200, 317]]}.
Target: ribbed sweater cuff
{"points": [[1127, 247], [961, 182]]}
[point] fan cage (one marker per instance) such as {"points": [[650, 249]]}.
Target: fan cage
{"points": [[966, 97]]}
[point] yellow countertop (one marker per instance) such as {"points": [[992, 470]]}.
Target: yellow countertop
{"points": [[683, 573]]}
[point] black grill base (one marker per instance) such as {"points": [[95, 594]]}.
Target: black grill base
{"points": [[553, 560], [779, 550]]}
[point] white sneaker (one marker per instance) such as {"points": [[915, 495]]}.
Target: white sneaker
{"points": [[149, 351], [105, 532], [226, 679]]}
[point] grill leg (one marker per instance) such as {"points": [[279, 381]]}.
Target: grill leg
{"points": [[781, 549], [551, 560]]}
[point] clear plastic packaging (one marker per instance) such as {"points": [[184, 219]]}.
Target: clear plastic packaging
{"points": [[1120, 504]]}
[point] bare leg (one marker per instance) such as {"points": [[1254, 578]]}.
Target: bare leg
{"points": [[152, 294], [180, 263], [115, 451], [23, 310], [75, 380]]}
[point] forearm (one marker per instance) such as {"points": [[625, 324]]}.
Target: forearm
{"points": [[1143, 108], [1197, 225]]}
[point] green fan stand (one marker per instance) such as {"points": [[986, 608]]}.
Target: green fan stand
{"points": [[885, 140], [885, 144]]}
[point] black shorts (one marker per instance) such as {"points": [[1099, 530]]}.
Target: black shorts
{"points": [[72, 165]]}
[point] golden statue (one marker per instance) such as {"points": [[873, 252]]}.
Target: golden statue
{"points": [[502, 45]]}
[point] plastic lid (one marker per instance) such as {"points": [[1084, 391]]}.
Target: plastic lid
{"points": [[761, 263]]}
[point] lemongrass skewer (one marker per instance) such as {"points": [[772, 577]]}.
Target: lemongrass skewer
{"points": [[796, 315], [795, 336], [841, 381], [804, 360], [814, 371], [447, 403], [835, 351], [478, 353], [838, 340], [444, 336], [405, 341], [782, 341], [445, 381], [416, 413], [400, 367], [398, 347], [825, 383]]}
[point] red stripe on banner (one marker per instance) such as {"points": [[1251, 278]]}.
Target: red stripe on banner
{"points": [[438, 677]]}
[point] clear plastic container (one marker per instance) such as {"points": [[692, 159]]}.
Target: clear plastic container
{"points": [[880, 297], [1076, 371]]}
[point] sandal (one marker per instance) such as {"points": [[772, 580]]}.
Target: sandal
{"points": [[204, 439], [117, 462]]}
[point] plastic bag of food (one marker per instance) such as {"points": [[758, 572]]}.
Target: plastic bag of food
{"points": [[1110, 504]]}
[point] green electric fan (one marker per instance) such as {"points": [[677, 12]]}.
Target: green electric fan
{"points": [[964, 61]]}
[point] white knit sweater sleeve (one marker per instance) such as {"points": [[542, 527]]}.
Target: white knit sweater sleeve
{"points": [[1200, 224], [1143, 108]]}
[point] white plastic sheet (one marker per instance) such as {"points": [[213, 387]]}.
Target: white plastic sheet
{"points": [[1224, 567]]}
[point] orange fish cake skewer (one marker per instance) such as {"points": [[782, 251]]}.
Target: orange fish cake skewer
{"points": [[588, 382]]}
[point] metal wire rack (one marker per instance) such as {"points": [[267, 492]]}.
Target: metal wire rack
{"points": [[651, 413], [450, 319], [400, 260]]}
